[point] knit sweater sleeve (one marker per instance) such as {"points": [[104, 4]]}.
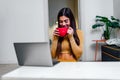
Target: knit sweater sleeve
{"points": [[77, 49], [54, 46]]}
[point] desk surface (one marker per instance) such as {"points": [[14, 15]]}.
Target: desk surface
{"points": [[68, 71]]}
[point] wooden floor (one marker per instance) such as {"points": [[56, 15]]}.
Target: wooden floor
{"points": [[5, 68]]}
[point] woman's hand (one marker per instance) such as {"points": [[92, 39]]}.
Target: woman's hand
{"points": [[56, 32], [70, 31]]}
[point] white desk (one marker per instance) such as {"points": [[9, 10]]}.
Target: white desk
{"points": [[68, 71]]}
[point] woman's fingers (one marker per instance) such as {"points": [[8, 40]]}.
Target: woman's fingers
{"points": [[56, 32], [70, 31]]}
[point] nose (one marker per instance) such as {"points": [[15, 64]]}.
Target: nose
{"points": [[63, 23]]}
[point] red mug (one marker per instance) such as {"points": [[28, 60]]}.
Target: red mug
{"points": [[62, 31]]}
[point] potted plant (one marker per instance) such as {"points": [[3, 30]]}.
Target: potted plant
{"points": [[109, 25]]}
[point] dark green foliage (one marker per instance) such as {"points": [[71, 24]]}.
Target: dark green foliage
{"points": [[97, 25], [109, 24]]}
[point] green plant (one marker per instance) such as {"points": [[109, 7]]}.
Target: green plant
{"points": [[109, 25]]}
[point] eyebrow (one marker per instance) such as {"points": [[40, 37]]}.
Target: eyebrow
{"points": [[64, 20]]}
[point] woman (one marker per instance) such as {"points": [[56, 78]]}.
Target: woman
{"points": [[69, 47]]}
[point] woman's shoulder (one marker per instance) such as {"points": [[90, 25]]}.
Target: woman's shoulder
{"points": [[79, 31], [80, 35]]}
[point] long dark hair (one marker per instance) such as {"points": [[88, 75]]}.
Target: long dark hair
{"points": [[68, 13]]}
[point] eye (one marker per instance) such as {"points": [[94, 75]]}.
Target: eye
{"points": [[66, 21], [60, 21]]}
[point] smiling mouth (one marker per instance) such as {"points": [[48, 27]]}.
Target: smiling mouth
{"points": [[66, 26]]}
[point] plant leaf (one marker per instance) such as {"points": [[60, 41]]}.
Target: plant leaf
{"points": [[97, 25], [113, 18]]}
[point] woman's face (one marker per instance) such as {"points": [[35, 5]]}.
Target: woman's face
{"points": [[64, 21]]}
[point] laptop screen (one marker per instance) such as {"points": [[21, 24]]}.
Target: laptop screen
{"points": [[33, 54]]}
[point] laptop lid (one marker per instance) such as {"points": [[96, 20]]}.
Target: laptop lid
{"points": [[33, 54]]}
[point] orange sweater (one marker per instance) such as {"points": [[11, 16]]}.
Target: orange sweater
{"points": [[66, 49]]}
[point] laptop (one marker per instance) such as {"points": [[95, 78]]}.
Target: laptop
{"points": [[34, 54]]}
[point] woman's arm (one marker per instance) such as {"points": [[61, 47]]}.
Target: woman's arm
{"points": [[54, 46], [77, 49]]}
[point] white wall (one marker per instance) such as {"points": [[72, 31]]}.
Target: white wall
{"points": [[21, 21], [89, 9], [116, 4], [116, 8]]}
